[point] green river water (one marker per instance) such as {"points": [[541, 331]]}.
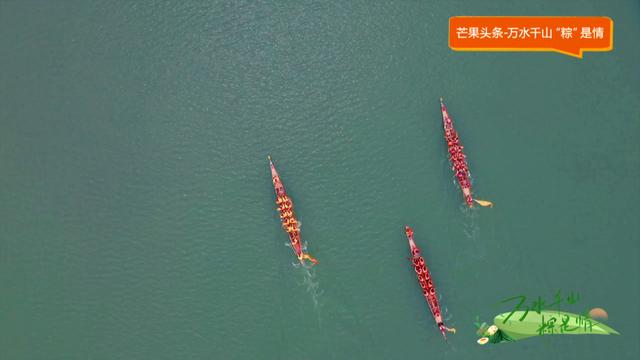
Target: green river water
{"points": [[137, 215]]}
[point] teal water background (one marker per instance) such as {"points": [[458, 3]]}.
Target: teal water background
{"points": [[137, 212]]}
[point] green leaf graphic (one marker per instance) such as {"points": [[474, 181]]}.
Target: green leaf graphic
{"points": [[533, 323]]}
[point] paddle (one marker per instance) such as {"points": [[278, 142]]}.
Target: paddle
{"points": [[310, 258], [484, 203]]}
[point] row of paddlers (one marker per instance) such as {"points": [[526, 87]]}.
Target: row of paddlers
{"points": [[461, 172]]}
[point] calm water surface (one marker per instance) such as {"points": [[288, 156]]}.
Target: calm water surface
{"points": [[137, 210]]}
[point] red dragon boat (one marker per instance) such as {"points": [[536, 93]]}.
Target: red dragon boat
{"points": [[458, 159], [426, 282], [289, 222]]}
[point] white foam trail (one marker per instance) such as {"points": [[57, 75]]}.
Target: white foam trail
{"points": [[310, 282], [313, 286], [471, 229]]}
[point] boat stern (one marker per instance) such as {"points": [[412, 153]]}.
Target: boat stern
{"points": [[295, 240], [468, 198], [443, 330]]}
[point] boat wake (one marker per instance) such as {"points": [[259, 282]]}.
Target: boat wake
{"points": [[313, 286], [471, 229], [446, 315], [309, 280]]}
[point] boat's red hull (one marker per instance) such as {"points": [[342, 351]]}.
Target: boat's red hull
{"points": [[456, 155], [425, 280], [290, 223]]}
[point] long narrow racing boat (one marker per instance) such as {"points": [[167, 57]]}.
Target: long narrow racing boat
{"points": [[289, 222], [458, 159], [426, 282]]}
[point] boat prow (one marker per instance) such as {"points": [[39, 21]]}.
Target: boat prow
{"points": [[409, 232], [275, 177], [274, 172], [446, 120]]}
